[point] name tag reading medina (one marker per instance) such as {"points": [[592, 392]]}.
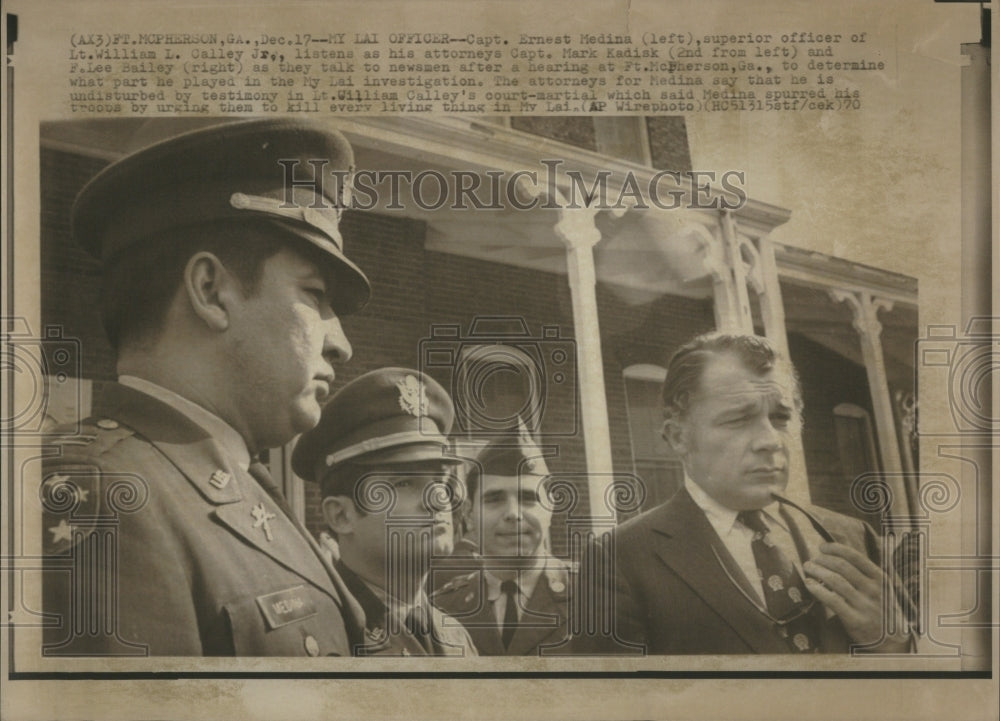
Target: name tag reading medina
{"points": [[284, 607]]}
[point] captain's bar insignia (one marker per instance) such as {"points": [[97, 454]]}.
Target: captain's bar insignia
{"points": [[220, 479]]}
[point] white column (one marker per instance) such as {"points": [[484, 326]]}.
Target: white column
{"points": [[771, 307], [864, 311], [577, 231], [737, 317], [773, 313]]}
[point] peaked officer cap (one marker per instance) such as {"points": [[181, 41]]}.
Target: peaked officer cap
{"points": [[230, 172], [391, 415]]}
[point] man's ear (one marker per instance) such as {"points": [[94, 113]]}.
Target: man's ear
{"points": [[675, 434], [209, 287], [339, 513]]}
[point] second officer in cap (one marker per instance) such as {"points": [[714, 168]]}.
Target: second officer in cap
{"points": [[380, 455]]}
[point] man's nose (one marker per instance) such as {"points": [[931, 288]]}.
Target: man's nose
{"points": [[767, 437], [512, 509], [336, 347]]}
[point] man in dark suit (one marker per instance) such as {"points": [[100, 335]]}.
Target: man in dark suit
{"points": [[728, 566], [224, 280], [381, 457], [518, 603]]}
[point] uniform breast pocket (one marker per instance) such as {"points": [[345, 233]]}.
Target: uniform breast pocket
{"points": [[294, 621]]}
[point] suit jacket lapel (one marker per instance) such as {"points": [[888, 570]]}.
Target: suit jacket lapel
{"points": [[684, 541], [833, 638]]}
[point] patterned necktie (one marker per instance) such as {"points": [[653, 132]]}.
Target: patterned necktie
{"points": [[510, 611], [788, 602]]}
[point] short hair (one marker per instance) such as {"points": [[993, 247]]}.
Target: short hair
{"points": [[139, 283], [687, 366], [500, 461]]}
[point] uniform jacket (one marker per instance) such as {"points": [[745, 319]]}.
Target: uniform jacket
{"points": [[543, 627], [461, 562], [192, 557], [448, 637], [675, 586]]}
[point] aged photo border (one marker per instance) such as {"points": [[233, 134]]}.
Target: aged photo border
{"points": [[404, 675]]}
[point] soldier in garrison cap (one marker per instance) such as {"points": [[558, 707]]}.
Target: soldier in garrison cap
{"points": [[517, 604], [381, 456], [224, 281]]}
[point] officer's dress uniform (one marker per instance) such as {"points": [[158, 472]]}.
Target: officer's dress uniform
{"points": [[542, 601], [157, 538], [207, 563], [394, 418], [395, 629]]}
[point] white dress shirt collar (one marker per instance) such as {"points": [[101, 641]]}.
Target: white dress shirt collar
{"points": [[722, 518]]}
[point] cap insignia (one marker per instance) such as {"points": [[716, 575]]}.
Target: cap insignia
{"points": [[413, 396]]}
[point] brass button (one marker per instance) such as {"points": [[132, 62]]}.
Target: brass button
{"points": [[312, 646]]}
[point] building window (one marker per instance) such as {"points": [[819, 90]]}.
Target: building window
{"points": [[855, 440], [654, 462]]}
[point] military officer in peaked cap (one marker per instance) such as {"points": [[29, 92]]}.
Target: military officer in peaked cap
{"points": [[381, 457], [224, 281], [517, 604]]}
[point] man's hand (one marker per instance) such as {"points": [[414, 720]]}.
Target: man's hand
{"points": [[852, 586]]}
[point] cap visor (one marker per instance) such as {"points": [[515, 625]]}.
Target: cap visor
{"points": [[353, 289], [410, 453]]}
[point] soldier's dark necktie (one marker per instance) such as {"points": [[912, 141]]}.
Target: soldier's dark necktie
{"points": [[788, 602], [510, 589]]}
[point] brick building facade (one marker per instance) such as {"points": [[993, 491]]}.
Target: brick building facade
{"points": [[420, 282]]}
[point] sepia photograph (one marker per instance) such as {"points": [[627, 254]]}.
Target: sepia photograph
{"points": [[616, 358]]}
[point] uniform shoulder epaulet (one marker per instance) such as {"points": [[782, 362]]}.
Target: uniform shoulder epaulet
{"points": [[73, 483], [558, 573], [455, 584], [95, 437]]}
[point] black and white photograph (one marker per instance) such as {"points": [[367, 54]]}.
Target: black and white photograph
{"points": [[615, 356]]}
